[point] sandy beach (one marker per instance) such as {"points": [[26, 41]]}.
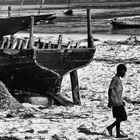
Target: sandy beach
{"points": [[88, 121]]}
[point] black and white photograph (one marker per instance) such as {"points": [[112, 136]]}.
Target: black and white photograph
{"points": [[69, 69]]}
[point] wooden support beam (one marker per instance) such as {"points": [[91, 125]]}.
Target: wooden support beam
{"points": [[19, 42], [25, 43], [89, 32], [9, 11], [3, 42], [13, 43], [49, 45], [44, 44], [8, 43], [69, 44], [60, 41], [75, 87], [31, 32], [42, 1], [77, 45]]}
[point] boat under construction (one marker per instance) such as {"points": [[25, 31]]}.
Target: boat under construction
{"points": [[38, 66]]}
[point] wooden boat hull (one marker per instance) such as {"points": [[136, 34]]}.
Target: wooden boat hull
{"points": [[65, 60], [40, 70], [11, 25], [122, 25]]}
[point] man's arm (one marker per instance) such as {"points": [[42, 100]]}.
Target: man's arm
{"points": [[109, 98]]}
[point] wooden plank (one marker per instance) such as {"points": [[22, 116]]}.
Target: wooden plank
{"points": [[75, 88], [19, 44], [13, 43], [49, 45], [25, 43], [77, 45], [60, 99], [31, 32], [69, 44], [8, 43]]}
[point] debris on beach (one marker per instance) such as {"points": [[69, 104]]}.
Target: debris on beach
{"points": [[132, 40]]}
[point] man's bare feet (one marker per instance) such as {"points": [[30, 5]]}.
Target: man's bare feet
{"points": [[121, 136]]}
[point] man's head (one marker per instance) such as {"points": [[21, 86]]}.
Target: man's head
{"points": [[121, 70]]}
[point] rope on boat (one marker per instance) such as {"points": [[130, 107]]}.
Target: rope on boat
{"points": [[42, 2]]}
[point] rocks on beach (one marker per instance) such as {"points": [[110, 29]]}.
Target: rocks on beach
{"points": [[7, 101]]}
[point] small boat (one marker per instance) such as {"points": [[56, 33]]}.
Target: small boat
{"points": [[13, 24], [68, 12], [124, 24], [40, 69]]}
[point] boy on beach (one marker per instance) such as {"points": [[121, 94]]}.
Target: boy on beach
{"points": [[116, 101]]}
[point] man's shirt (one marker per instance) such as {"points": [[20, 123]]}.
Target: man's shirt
{"points": [[115, 91]]}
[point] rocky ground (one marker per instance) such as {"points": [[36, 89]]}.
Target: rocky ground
{"points": [[88, 121]]}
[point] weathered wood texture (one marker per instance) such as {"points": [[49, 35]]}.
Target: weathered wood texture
{"points": [[62, 61], [75, 87], [31, 32]]}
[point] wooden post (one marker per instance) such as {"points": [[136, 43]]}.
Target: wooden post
{"points": [[90, 41], [21, 6], [75, 87], [31, 32], [49, 45], [69, 45], [60, 42], [9, 11], [19, 43]]}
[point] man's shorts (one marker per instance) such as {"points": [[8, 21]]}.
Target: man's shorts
{"points": [[119, 113]]}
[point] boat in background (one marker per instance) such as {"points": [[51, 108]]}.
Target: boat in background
{"points": [[13, 24], [121, 24], [69, 12]]}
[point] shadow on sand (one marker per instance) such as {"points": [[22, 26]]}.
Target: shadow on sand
{"points": [[88, 132]]}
